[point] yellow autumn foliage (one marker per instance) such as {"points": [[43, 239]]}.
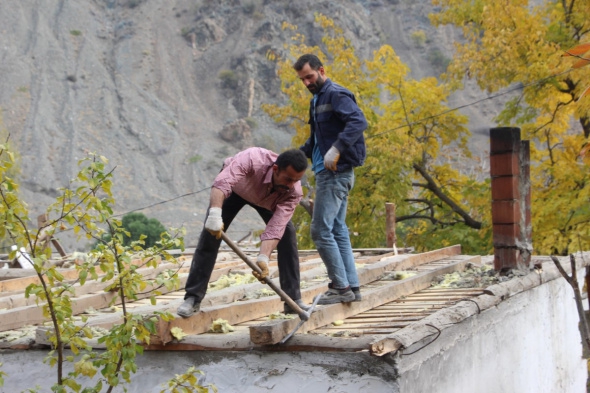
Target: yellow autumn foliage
{"points": [[540, 48]]}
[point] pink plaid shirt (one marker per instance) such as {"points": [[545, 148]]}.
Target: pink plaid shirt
{"points": [[249, 175]]}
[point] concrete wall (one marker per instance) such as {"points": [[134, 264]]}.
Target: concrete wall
{"points": [[230, 372], [529, 343]]}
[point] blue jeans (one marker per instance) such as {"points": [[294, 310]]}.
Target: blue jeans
{"points": [[328, 226]]}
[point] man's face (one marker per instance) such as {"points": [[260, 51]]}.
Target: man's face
{"points": [[312, 79], [285, 179]]}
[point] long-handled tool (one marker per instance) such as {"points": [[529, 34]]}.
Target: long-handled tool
{"points": [[302, 314]]}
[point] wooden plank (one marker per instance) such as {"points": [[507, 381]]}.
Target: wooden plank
{"points": [[240, 341], [58, 247], [274, 331], [418, 303], [311, 256], [92, 286], [232, 313], [354, 333], [374, 258], [383, 250], [32, 313], [372, 318], [383, 328], [458, 291], [404, 262], [19, 284], [10, 274], [274, 271], [401, 314], [362, 322]]}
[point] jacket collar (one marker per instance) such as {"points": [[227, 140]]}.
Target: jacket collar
{"points": [[325, 87]]}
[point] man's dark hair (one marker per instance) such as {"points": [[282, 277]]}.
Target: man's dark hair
{"points": [[293, 157], [314, 62]]}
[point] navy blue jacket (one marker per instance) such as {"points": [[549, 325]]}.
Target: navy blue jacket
{"points": [[339, 122]]}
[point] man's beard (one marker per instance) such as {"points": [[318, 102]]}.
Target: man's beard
{"points": [[317, 85], [280, 188]]}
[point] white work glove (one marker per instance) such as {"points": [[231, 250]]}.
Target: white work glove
{"points": [[214, 223], [331, 158], [262, 262]]}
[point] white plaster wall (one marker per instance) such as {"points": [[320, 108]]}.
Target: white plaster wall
{"points": [[230, 372], [529, 343]]}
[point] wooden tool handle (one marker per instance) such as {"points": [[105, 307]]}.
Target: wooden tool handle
{"points": [[302, 314]]}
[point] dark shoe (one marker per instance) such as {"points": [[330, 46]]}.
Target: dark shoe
{"points": [[357, 294], [288, 310], [189, 307], [333, 296], [356, 290]]}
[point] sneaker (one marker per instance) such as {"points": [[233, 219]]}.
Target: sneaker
{"points": [[288, 310], [333, 296], [356, 290], [189, 307]]}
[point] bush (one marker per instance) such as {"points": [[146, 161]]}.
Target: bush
{"points": [[194, 159], [229, 79], [438, 60], [252, 123], [419, 38], [137, 224]]}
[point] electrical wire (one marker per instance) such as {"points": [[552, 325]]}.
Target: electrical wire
{"points": [[520, 87]]}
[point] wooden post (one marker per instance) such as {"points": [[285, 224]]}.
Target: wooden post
{"points": [[44, 238], [307, 204], [391, 237]]}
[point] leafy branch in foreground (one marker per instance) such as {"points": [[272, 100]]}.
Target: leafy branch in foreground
{"points": [[187, 383], [125, 270]]}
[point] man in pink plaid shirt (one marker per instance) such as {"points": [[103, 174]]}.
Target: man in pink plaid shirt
{"points": [[269, 183]]}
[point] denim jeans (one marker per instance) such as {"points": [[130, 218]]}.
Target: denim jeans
{"points": [[328, 226]]}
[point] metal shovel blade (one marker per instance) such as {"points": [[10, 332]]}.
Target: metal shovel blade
{"points": [[315, 302]]}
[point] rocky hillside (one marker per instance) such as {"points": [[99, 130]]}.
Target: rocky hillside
{"points": [[166, 90]]}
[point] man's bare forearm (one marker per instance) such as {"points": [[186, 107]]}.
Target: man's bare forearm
{"points": [[217, 197], [268, 246]]}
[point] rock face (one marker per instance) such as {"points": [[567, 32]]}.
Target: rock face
{"points": [[166, 90]]}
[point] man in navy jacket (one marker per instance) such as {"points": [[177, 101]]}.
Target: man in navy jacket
{"points": [[336, 145]]}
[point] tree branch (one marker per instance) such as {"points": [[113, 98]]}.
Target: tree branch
{"points": [[573, 282], [435, 189]]}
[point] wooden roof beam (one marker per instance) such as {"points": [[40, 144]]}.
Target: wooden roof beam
{"points": [[274, 331]]}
